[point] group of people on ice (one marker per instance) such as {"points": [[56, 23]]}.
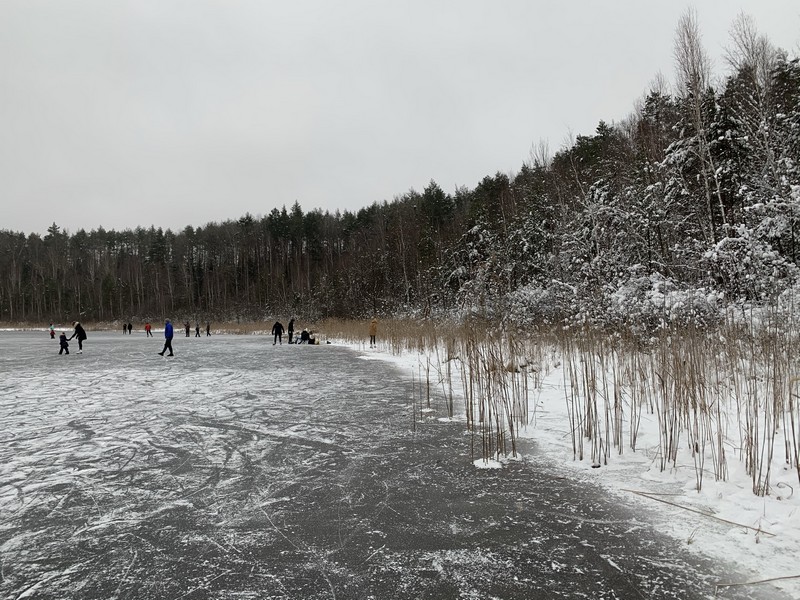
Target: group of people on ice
{"points": [[306, 336], [63, 341], [277, 332]]}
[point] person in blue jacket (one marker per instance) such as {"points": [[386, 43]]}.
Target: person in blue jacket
{"points": [[167, 338]]}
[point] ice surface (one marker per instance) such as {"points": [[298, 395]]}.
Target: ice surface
{"points": [[242, 469]]}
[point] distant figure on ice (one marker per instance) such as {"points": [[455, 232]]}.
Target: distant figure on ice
{"points": [[62, 341], [167, 338], [130, 328], [373, 331], [208, 328], [124, 329], [197, 329], [290, 329], [80, 333], [52, 332], [277, 331], [305, 337], [187, 327], [147, 330]]}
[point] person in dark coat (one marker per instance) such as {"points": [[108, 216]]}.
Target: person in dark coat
{"points": [[208, 328], [197, 329], [187, 327], [167, 338], [80, 333], [305, 337], [62, 341], [277, 331], [290, 329], [373, 331], [130, 328]]}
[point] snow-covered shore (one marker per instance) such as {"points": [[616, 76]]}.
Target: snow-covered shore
{"points": [[724, 521]]}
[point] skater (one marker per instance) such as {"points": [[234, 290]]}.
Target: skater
{"points": [[208, 328], [277, 331], [167, 339], [187, 327], [52, 332], [305, 337], [197, 329], [124, 329], [147, 330], [80, 333], [130, 328], [290, 329], [373, 331], [62, 341]]}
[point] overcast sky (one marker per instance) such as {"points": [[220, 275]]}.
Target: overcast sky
{"points": [[174, 113]]}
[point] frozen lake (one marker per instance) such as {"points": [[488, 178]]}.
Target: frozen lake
{"points": [[239, 469]]}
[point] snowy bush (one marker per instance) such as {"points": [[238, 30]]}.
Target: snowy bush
{"points": [[647, 302], [748, 269], [534, 304]]}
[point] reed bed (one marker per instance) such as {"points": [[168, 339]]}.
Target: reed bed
{"points": [[493, 372], [717, 395]]}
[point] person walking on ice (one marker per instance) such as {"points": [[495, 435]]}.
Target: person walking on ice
{"points": [[62, 341], [80, 333], [373, 331], [277, 331], [290, 329], [167, 339]]}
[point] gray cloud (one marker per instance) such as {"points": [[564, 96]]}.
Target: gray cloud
{"points": [[119, 114]]}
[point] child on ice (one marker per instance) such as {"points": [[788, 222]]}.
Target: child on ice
{"points": [[62, 341]]}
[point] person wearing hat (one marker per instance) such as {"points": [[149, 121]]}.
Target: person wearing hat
{"points": [[80, 333], [63, 343], [167, 339]]}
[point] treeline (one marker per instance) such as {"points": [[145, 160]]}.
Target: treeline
{"points": [[690, 203], [311, 264]]}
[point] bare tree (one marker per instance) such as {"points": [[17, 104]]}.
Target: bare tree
{"points": [[539, 155], [752, 57], [694, 78]]}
